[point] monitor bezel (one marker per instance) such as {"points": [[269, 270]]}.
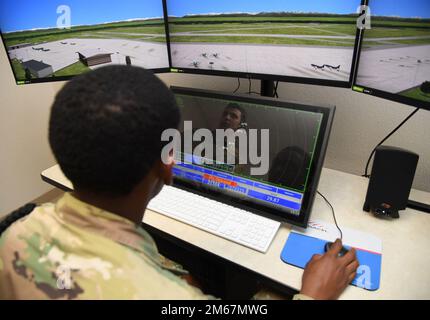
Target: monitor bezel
{"points": [[316, 165], [395, 97], [271, 77], [172, 69], [166, 69]]}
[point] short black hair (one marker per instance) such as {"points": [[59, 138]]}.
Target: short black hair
{"points": [[105, 127], [233, 105]]}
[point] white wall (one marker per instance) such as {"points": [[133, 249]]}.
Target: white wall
{"points": [[24, 150], [361, 121]]}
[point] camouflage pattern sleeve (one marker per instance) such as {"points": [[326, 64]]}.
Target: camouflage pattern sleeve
{"points": [[72, 250]]}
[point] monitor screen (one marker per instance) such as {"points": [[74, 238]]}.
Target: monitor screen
{"points": [[394, 60], [310, 41], [48, 40], [270, 166]]}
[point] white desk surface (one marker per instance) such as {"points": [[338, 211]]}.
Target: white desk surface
{"points": [[406, 241]]}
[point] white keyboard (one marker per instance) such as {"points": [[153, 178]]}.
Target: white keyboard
{"points": [[223, 220]]}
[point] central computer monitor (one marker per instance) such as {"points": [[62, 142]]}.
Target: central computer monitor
{"points": [[280, 175]]}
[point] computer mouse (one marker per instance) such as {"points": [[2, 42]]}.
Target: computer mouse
{"points": [[342, 252]]}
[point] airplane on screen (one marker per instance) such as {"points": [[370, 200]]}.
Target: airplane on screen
{"points": [[195, 64], [332, 67], [317, 67], [322, 67]]}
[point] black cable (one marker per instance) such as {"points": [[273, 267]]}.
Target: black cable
{"points": [[334, 215], [238, 85], [275, 92], [250, 88], [385, 139]]}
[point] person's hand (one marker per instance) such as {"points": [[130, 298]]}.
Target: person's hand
{"points": [[326, 277]]}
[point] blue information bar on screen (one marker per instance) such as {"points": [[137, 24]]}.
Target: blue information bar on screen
{"points": [[265, 187], [274, 200], [290, 193], [194, 177], [177, 172], [222, 175], [181, 170], [243, 181]]}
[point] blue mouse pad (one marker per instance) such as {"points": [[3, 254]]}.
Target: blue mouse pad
{"points": [[302, 244]]}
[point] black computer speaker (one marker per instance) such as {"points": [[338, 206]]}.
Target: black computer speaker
{"points": [[391, 180]]}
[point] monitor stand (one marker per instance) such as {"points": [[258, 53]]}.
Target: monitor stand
{"points": [[267, 88]]}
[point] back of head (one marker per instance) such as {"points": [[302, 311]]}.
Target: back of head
{"points": [[105, 128]]}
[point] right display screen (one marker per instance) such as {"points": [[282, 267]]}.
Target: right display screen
{"points": [[394, 60], [310, 41]]}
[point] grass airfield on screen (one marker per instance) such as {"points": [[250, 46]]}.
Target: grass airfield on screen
{"points": [[298, 45], [399, 62], [144, 42], [315, 46]]}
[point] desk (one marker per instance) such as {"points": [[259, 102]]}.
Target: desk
{"points": [[406, 242]]}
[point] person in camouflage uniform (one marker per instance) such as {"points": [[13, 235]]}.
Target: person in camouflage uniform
{"points": [[73, 250], [105, 130]]}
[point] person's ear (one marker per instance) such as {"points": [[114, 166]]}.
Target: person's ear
{"points": [[166, 170]]}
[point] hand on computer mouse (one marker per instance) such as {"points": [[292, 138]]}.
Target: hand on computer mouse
{"points": [[326, 276], [341, 253]]}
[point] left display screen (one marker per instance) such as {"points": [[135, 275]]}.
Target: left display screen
{"points": [[48, 40]]}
